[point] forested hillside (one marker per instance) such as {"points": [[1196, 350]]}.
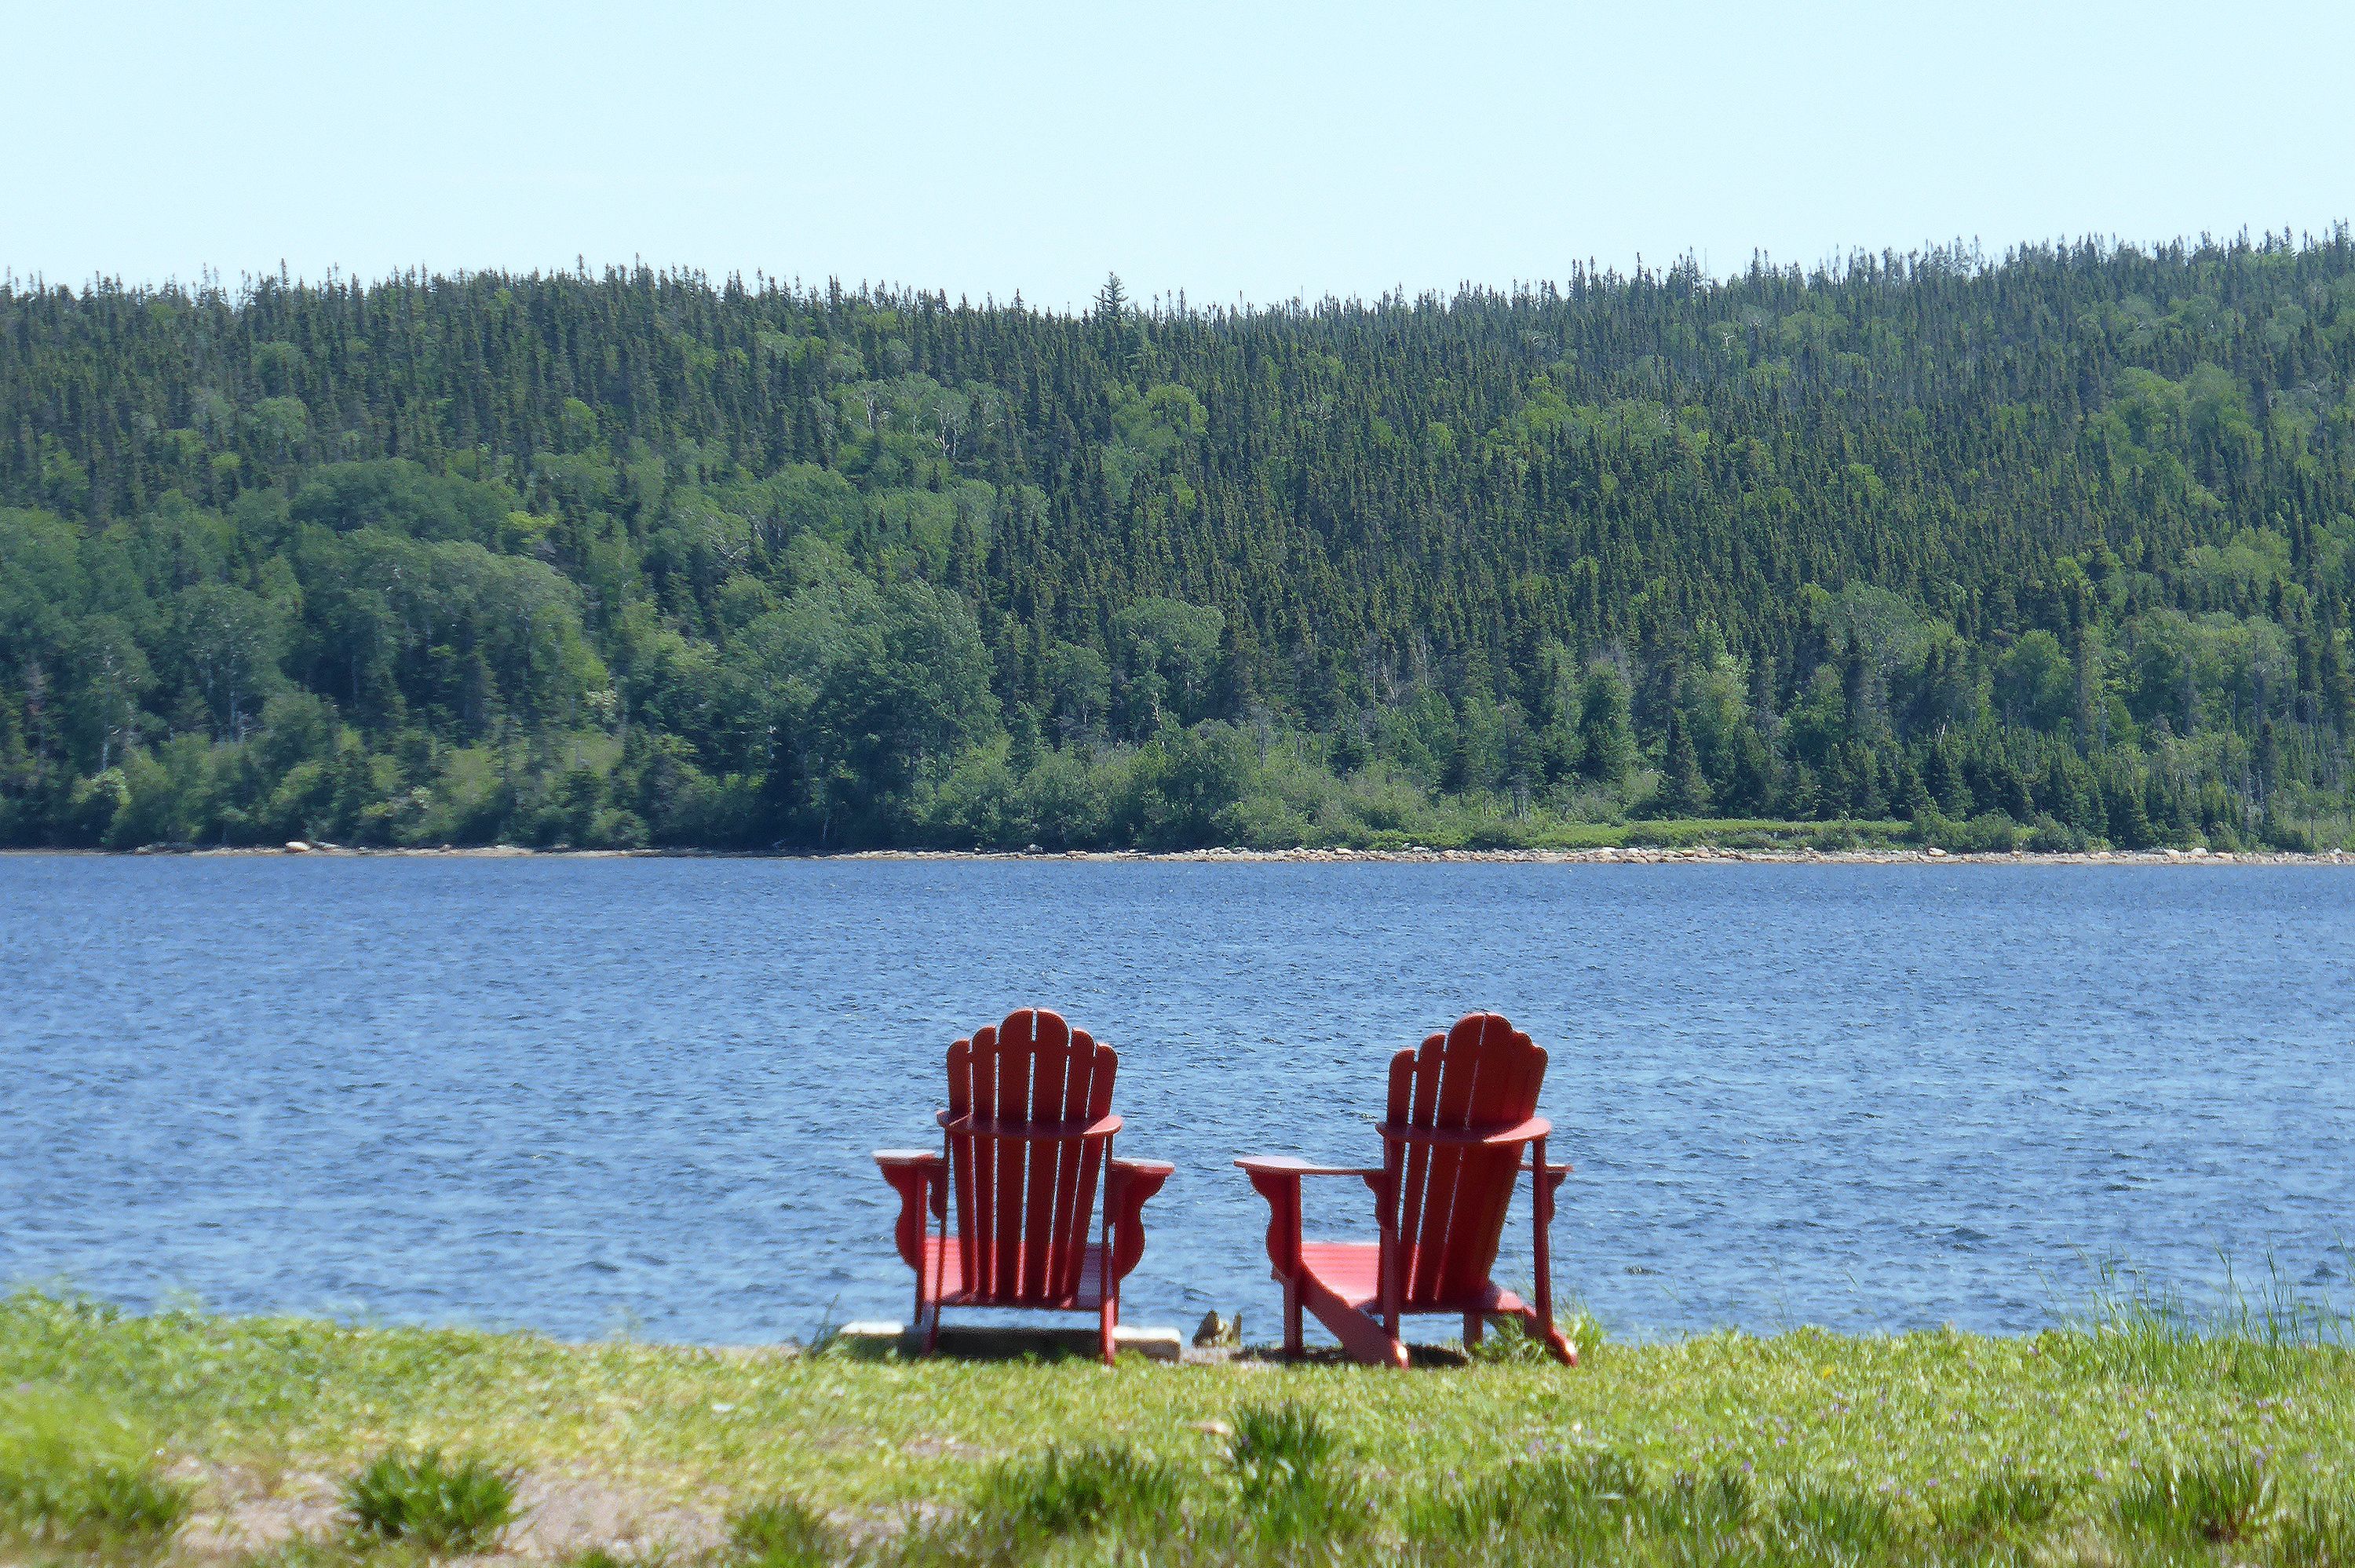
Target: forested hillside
{"points": [[2060, 549]]}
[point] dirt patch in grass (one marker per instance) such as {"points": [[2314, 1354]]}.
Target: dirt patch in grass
{"points": [[241, 1512]]}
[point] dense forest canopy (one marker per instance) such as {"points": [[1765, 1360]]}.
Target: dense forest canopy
{"points": [[2055, 550]]}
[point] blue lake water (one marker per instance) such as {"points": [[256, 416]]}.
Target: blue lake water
{"points": [[599, 1095]]}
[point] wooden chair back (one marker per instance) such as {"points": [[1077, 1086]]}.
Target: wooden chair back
{"points": [[1483, 1075], [1023, 1203]]}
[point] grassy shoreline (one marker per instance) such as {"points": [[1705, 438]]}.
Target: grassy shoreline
{"points": [[648, 1451], [1853, 841]]}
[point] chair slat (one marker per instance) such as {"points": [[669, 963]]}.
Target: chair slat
{"points": [[1090, 1155], [1067, 1217], [961, 1180], [1461, 1058], [981, 1254], [1050, 1060], [1512, 1069], [1421, 1101], [1013, 1078]]}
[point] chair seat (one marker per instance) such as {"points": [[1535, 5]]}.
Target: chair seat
{"points": [[944, 1262], [1353, 1271]]}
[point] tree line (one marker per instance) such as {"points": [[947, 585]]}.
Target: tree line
{"points": [[2053, 550]]}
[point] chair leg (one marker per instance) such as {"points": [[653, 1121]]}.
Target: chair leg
{"points": [[1295, 1341], [1564, 1350], [1472, 1326], [928, 1301], [1107, 1318], [1541, 1220]]}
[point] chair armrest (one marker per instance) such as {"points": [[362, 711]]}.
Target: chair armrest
{"points": [[1529, 1131], [920, 1178], [1285, 1165], [1545, 1178], [1127, 1184], [1276, 1178]]}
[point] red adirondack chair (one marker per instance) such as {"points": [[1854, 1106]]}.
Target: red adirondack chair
{"points": [[1028, 1130], [1462, 1111]]}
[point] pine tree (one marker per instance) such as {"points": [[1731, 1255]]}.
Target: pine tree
{"points": [[1683, 793], [1606, 739]]}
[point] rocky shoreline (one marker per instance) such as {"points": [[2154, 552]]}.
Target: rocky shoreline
{"points": [[1412, 856], [1655, 855]]}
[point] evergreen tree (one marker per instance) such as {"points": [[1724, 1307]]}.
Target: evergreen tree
{"points": [[1606, 738], [1682, 791]]}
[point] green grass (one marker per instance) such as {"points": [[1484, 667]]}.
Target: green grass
{"points": [[783, 1532], [1070, 1491], [75, 1475], [443, 1505], [2135, 1434], [2225, 1499], [1292, 1473], [2005, 1500], [2316, 1532], [1593, 1495]]}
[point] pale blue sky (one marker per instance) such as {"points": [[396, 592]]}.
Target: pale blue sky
{"points": [[1259, 151]]}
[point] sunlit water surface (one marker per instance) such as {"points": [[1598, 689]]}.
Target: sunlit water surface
{"points": [[600, 1096]]}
